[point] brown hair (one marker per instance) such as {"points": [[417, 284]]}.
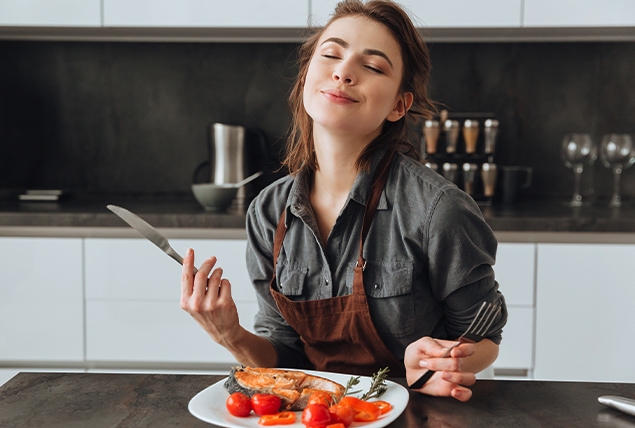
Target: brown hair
{"points": [[416, 71]]}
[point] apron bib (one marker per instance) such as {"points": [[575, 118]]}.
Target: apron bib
{"points": [[338, 333]]}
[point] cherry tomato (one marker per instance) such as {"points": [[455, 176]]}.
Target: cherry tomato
{"points": [[364, 410], [337, 425], [384, 406], [343, 413], [282, 418], [315, 415], [320, 397], [265, 404], [238, 404]]}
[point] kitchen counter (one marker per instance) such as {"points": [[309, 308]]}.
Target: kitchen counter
{"points": [[135, 400], [185, 218]]}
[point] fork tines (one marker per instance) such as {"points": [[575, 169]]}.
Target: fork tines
{"points": [[483, 320]]}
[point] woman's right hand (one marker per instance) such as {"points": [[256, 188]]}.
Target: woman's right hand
{"points": [[207, 298]]}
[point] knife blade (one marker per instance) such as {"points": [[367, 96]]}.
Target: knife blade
{"points": [[148, 232], [626, 405]]}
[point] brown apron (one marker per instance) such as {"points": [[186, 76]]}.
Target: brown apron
{"points": [[338, 333]]}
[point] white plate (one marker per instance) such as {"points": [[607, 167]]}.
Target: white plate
{"points": [[209, 404]]}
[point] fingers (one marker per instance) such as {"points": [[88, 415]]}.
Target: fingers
{"points": [[187, 274], [200, 280]]}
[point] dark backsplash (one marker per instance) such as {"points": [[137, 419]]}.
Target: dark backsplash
{"points": [[94, 117]]}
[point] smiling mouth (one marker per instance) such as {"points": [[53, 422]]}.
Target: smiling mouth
{"points": [[338, 97]]}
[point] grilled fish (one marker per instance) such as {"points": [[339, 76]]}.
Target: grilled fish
{"points": [[293, 387]]}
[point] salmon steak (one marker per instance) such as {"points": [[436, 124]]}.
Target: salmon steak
{"points": [[294, 388]]}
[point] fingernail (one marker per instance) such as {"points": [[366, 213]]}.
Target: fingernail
{"points": [[458, 394], [423, 364]]}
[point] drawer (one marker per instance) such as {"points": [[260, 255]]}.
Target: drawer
{"points": [[134, 269], [153, 332], [517, 347]]}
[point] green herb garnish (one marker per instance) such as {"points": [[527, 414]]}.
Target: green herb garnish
{"points": [[351, 383], [377, 385]]}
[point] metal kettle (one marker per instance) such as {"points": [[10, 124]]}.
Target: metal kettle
{"points": [[235, 152]]}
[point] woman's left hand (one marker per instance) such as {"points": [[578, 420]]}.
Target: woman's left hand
{"points": [[449, 380]]}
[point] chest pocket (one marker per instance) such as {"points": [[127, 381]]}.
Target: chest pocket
{"points": [[291, 279], [388, 286]]}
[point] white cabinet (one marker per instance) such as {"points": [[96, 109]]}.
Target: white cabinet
{"points": [[206, 13], [585, 317], [67, 13], [444, 14], [132, 301], [579, 13], [515, 273], [41, 299]]}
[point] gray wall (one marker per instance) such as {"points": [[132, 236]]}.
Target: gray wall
{"points": [[131, 117]]}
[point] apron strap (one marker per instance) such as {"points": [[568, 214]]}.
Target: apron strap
{"points": [[379, 181]]}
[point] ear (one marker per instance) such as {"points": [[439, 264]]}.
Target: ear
{"points": [[402, 105]]}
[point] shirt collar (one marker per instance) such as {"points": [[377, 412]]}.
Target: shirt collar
{"points": [[298, 197]]}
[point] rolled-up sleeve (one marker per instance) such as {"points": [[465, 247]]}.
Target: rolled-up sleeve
{"points": [[269, 323], [461, 252]]}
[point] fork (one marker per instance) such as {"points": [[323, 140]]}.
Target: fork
{"points": [[477, 330]]}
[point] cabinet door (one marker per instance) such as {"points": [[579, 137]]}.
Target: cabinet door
{"points": [[205, 13], [82, 13], [41, 303], [584, 312], [579, 13], [447, 13], [514, 268]]}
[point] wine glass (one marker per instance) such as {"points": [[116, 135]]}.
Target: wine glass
{"points": [[617, 153], [578, 150]]}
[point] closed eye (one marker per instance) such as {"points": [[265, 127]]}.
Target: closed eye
{"points": [[330, 56], [376, 70]]}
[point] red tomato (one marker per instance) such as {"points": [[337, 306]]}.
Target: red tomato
{"points": [[384, 406], [265, 404], [238, 404], [342, 413], [282, 418], [315, 415], [323, 398], [364, 410]]}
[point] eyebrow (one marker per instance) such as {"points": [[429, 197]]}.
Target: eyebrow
{"points": [[344, 44]]}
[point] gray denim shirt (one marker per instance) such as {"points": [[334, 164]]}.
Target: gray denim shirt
{"points": [[429, 257]]}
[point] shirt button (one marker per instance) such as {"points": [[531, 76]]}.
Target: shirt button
{"points": [[327, 282], [297, 207], [377, 286]]}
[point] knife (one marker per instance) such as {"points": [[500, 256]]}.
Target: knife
{"points": [[626, 405], [149, 232]]}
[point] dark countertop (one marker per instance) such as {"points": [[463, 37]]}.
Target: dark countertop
{"points": [[528, 216], [147, 400]]}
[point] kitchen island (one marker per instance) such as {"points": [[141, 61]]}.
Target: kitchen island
{"points": [[154, 400]]}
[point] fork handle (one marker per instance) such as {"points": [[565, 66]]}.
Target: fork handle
{"points": [[427, 375]]}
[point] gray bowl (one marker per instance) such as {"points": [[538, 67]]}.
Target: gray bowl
{"points": [[214, 197]]}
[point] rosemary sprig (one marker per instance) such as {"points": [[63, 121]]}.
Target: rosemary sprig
{"points": [[351, 383], [377, 385]]}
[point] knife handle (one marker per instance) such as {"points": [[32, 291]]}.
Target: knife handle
{"points": [[176, 256], [427, 375]]}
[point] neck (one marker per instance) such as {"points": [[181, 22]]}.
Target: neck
{"points": [[337, 156]]}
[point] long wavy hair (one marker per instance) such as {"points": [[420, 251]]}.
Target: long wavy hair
{"points": [[416, 72]]}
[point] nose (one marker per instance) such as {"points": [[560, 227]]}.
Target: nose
{"points": [[344, 73]]}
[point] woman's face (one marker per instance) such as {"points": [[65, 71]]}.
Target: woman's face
{"points": [[353, 81]]}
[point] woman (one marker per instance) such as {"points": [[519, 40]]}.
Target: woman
{"points": [[361, 258]]}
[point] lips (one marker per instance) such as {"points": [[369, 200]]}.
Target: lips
{"points": [[338, 96]]}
